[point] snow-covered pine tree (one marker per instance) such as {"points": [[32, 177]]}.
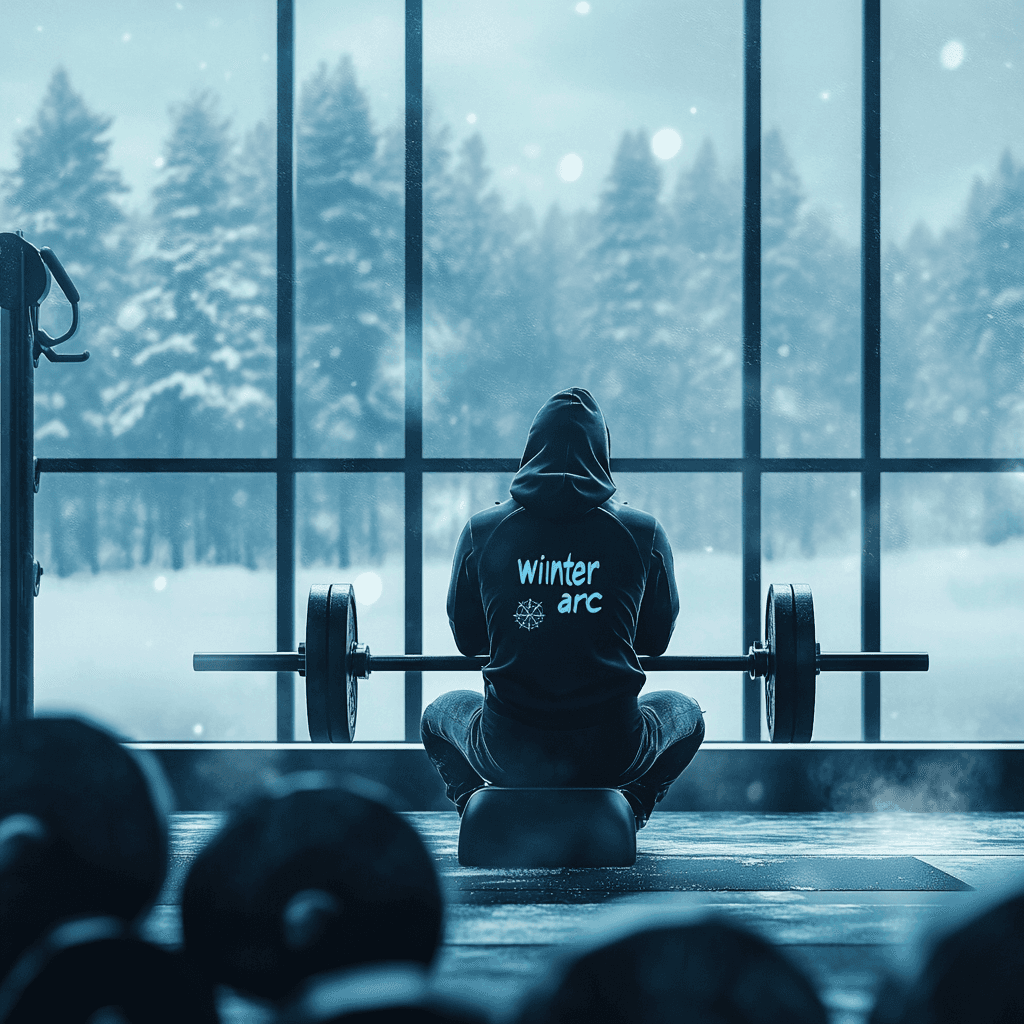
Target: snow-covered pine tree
{"points": [[987, 340], [810, 316], [350, 372], [913, 358], [351, 286], [707, 205], [237, 509], [518, 364], [706, 250], [251, 280], [556, 284], [200, 364], [64, 193], [446, 415], [967, 336], [202, 361], [487, 360], [628, 337]]}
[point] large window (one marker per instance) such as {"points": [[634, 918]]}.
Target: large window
{"points": [[333, 257], [952, 338]]}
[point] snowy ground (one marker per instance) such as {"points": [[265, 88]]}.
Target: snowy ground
{"points": [[118, 645]]}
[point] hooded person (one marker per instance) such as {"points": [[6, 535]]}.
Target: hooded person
{"points": [[562, 587]]}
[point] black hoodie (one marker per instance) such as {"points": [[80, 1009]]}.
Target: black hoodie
{"points": [[562, 586]]}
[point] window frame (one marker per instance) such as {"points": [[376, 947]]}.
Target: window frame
{"points": [[750, 465]]}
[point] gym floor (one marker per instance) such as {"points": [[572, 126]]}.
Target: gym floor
{"points": [[851, 897]]}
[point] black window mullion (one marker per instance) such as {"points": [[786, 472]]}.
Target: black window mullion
{"points": [[413, 361], [871, 313], [751, 384], [285, 469]]}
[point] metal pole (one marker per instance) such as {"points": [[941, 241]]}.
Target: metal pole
{"points": [[17, 494]]}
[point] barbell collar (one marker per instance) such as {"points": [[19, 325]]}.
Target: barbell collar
{"points": [[757, 660]]}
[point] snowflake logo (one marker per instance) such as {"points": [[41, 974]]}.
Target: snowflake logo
{"points": [[529, 614]]}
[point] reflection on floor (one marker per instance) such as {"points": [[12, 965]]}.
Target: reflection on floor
{"points": [[850, 896]]}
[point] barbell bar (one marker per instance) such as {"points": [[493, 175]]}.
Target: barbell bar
{"points": [[333, 661], [295, 661]]}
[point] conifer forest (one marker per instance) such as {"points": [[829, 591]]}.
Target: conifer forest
{"points": [[637, 298]]}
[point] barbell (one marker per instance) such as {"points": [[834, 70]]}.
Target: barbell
{"points": [[332, 660]]}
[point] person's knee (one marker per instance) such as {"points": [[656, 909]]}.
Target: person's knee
{"points": [[698, 727], [428, 722], [688, 712], [430, 719], [678, 712], [452, 706]]}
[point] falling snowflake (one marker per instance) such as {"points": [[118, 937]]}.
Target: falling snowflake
{"points": [[529, 614]]}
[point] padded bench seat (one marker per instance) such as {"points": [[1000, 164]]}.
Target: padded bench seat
{"points": [[547, 828]]}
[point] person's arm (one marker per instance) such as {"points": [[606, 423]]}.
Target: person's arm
{"points": [[660, 604], [465, 607]]}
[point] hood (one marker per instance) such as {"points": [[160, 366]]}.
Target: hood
{"points": [[565, 470]]}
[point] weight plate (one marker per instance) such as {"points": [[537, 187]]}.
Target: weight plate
{"points": [[342, 685], [317, 675], [780, 639], [789, 686], [806, 664]]}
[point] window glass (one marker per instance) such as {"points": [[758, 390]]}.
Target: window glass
{"points": [[582, 221], [140, 148], [952, 227], [701, 516], [810, 228], [951, 587], [350, 243], [811, 534], [350, 530], [449, 499], [142, 571]]}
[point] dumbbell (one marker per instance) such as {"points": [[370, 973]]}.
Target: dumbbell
{"points": [[311, 878], [83, 829], [333, 661], [93, 969]]}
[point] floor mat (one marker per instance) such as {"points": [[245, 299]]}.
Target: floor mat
{"points": [[700, 874]]}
